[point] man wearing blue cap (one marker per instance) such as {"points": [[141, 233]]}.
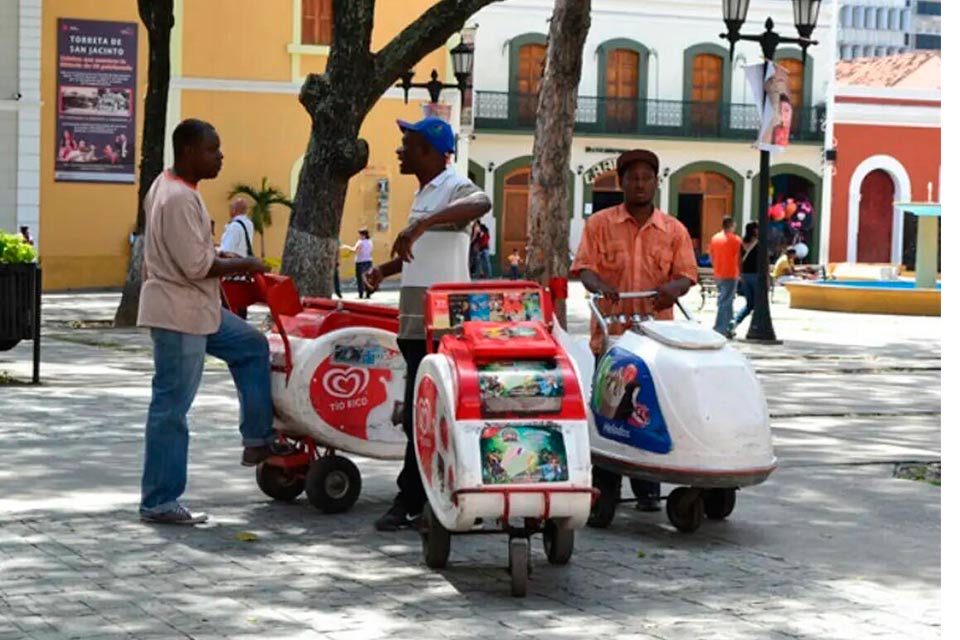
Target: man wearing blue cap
{"points": [[435, 247]]}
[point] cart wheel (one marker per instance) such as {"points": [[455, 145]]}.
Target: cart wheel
{"points": [[557, 543], [280, 483], [333, 484], [519, 566], [605, 507], [719, 503], [685, 509], [435, 540]]}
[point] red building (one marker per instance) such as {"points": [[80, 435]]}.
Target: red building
{"points": [[886, 119]]}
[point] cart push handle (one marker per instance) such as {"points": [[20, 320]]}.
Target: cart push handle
{"points": [[278, 293], [622, 318]]}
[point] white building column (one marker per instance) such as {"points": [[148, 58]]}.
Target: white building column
{"points": [[28, 118], [826, 188], [578, 222]]}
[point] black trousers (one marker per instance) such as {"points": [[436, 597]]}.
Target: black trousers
{"points": [[412, 495]]}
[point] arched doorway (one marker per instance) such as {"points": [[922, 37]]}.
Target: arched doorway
{"points": [[606, 191], [515, 207], [705, 198], [785, 187], [875, 224]]}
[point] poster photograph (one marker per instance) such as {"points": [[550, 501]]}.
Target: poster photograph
{"points": [[772, 97], [96, 101], [523, 454]]}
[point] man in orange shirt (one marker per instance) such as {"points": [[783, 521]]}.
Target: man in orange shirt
{"points": [[635, 247], [725, 256]]}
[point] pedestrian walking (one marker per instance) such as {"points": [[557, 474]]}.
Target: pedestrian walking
{"points": [[237, 235], [750, 265], [515, 262], [725, 256], [363, 259]]}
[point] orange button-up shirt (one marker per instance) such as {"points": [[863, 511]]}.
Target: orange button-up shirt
{"points": [[633, 258]]}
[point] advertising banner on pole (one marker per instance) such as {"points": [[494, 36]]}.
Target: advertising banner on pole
{"points": [[772, 98], [96, 101]]}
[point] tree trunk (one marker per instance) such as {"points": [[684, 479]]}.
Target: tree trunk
{"points": [[338, 101], [157, 17], [548, 250]]}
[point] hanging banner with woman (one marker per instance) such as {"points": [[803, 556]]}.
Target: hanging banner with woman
{"points": [[772, 97]]}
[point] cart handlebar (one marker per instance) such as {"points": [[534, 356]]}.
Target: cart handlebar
{"points": [[632, 320]]}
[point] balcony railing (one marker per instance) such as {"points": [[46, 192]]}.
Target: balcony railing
{"points": [[664, 118]]}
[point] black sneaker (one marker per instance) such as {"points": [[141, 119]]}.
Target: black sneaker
{"points": [[252, 456], [394, 519]]}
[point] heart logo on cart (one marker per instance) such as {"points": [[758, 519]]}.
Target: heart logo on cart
{"points": [[346, 382]]}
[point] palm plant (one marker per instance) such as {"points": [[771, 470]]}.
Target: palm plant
{"points": [[263, 198]]}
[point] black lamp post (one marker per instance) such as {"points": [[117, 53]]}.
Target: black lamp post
{"points": [[805, 13], [462, 56]]}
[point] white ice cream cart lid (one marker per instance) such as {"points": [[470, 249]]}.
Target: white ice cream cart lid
{"points": [[682, 334]]}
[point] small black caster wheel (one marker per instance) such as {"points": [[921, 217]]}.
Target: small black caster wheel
{"points": [[605, 507], [333, 484], [719, 503], [557, 542], [280, 483], [685, 509], [434, 539]]}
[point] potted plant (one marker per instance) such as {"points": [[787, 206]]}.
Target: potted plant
{"points": [[19, 294]]}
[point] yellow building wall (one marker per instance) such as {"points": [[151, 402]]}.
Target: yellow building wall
{"points": [[84, 226], [237, 39]]}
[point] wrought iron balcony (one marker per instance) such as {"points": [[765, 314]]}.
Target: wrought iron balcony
{"points": [[646, 118]]}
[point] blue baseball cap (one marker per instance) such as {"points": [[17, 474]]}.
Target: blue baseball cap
{"points": [[436, 130]]}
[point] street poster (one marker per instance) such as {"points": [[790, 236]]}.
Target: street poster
{"points": [[772, 98], [96, 101]]}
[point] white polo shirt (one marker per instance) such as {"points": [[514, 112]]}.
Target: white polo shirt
{"points": [[233, 240], [439, 255]]}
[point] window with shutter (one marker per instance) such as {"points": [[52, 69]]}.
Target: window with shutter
{"points": [[316, 22]]}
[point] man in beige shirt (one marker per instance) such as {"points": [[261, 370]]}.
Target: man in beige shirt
{"points": [[180, 303]]}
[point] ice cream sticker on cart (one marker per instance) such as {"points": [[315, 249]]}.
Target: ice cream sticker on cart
{"points": [[523, 454], [625, 403], [520, 387]]}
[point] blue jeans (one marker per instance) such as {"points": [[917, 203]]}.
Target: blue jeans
{"points": [[485, 268], [178, 367], [749, 281], [726, 292]]}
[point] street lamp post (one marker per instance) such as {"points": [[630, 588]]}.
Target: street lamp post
{"points": [[462, 56], [805, 14]]}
